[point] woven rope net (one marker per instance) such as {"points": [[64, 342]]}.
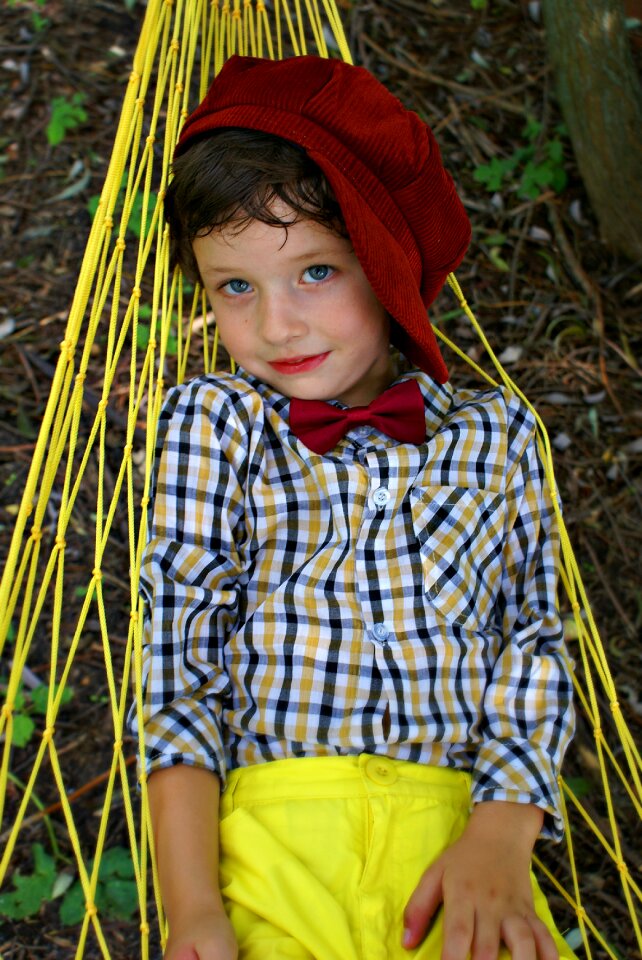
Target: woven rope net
{"points": [[143, 328]]}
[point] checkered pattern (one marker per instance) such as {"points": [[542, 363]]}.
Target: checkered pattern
{"points": [[382, 598]]}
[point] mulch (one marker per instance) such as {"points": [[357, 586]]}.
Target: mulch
{"points": [[562, 311]]}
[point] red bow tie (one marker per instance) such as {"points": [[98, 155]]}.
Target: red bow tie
{"points": [[398, 412]]}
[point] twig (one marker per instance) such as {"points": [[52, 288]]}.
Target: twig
{"points": [[604, 581]]}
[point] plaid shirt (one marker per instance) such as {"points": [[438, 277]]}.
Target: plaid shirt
{"points": [[383, 598]]}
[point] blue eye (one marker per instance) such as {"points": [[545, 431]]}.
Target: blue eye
{"points": [[317, 273], [236, 287]]}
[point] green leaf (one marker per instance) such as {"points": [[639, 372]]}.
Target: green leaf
{"points": [[39, 696], [30, 890], [579, 786], [65, 115], [497, 260], [23, 729], [492, 174], [119, 898], [92, 205], [116, 862], [72, 908], [142, 336]]}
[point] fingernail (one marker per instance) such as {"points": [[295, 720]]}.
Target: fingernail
{"points": [[406, 940]]}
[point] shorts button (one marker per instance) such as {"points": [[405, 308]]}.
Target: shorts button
{"points": [[381, 771]]}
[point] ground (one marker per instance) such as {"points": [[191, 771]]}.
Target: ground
{"points": [[561, 309]]}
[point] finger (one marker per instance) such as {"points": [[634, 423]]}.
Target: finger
{"points": [[459, 928], [544, 943], [519, 937], [422, 907], [486, 937]]}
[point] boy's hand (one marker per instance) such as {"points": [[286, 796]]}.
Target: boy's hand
{"points": [[202, 936], [483, 883]]}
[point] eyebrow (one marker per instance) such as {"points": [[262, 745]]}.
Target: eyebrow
{"points": [[308, 256]]}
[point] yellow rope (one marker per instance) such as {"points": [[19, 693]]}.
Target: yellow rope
{"points": [[124, 289]]}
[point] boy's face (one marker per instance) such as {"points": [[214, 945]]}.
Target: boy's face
{"points": [[295, 310]]}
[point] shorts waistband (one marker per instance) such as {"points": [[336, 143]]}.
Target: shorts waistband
{"points": [[336, 777]]}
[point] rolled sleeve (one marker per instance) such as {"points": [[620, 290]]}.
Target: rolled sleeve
{"points": [[528, 716], [190, 582]]}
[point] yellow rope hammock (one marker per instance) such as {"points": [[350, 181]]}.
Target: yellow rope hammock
{"points": [[130, 312]]}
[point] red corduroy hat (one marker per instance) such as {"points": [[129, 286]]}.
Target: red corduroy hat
{"points": [[407, 225]]}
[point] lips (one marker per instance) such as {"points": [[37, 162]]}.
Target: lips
{"points": [[293, 365]]}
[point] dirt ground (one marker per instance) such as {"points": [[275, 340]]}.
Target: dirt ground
{"points": [[563, 312]]}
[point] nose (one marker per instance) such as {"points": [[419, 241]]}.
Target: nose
{"points": [[280, 318]]}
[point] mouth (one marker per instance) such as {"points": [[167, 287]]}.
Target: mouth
{"points": [[292, 365]]}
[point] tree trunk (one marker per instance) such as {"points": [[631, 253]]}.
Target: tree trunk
{"points": [[601, 100]]}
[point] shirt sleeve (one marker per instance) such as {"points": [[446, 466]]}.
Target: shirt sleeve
{"points": [[189, 581], [528, 718]]}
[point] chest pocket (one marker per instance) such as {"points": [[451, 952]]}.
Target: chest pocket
{"points": [[460, 533]]}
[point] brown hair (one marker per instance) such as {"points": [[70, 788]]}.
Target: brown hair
{"points": [[233, 176]]}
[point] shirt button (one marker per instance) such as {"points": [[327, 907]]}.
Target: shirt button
{"points": [[381, 632], [381, 496], [381, 771]]}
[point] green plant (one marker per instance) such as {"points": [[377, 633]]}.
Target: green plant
{"points": [[533, 167], [30, 890], [115, 892], [28, 705], [143, 332], [65, 115], [136, 215]]}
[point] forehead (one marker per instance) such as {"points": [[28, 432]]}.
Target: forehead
{"points": [[254, 241]]}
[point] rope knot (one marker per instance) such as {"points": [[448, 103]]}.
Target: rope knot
{"points": [[150, 140], [144, 928], [134, 77], [81, 377], [102, 404], [7, 709], [91, 909], [47, 734], [97, 573], [137, 293], [120, 244], [60, 542], [127, 450], [118, 746], [133, 614], [108, 222], [151, 343], [175, 46], [36, 534], [615, 706]]}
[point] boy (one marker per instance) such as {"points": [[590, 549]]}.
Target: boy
{"points": [[351, 569]]}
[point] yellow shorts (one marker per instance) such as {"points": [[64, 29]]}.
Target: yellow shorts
{"points": [[319, 856]]}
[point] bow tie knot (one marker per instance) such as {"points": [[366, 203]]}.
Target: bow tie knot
{"points": [[397, 412]]}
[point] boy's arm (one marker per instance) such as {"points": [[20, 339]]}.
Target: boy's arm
{"points": [[184, 805], [483, 883]]}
